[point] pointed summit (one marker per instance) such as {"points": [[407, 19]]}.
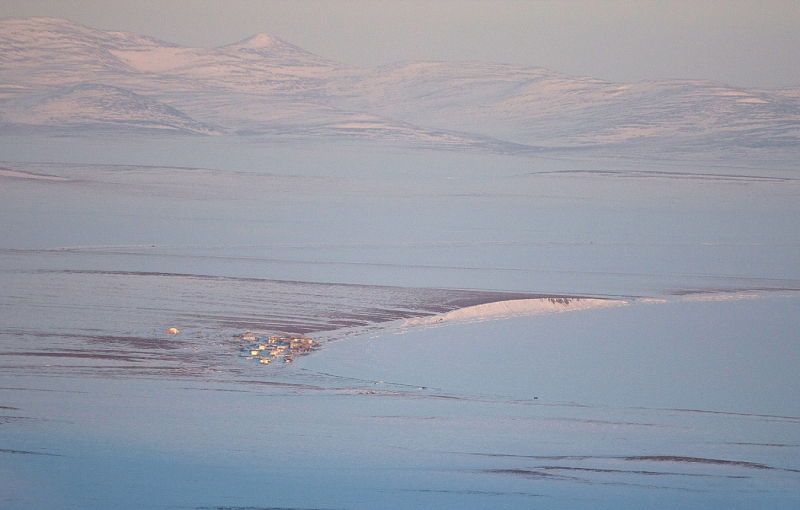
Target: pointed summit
{"points": [[268, 46], [258, 41], [264, 44]]}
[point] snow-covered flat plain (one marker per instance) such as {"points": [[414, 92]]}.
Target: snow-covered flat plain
{"points": [[495, 331], [517, 288]]}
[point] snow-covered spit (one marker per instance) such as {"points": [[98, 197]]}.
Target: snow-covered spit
{"points": [[512, 308]]}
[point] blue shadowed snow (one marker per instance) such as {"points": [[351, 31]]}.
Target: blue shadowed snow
{"points": [[679, 404]]}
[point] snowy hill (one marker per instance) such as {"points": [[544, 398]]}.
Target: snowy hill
{"points": [[263, 86], [541, 107], [93, 105]]}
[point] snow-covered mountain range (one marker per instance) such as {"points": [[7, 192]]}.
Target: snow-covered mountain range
{"points": [[59, 74]]}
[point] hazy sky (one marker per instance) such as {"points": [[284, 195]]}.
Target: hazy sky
{"points": [[746, 43]]}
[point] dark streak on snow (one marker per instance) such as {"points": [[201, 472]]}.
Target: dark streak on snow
{"points": [[701, 411], [40, 389], [628, 472], [734, 290], [777, 445], [476, 493], [530, 473], [700, 460], [87, 355], [670, 175], [540, 475], [639, 458], [129, 341], [255, 508], [25, 452]]}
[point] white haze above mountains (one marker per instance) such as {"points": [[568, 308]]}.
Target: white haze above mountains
{"points": [[55, 74]]}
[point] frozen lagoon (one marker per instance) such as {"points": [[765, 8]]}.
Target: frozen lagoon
{"points": [[687, 403]]}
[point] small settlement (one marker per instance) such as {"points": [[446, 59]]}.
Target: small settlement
{"points": [[267, 349]]}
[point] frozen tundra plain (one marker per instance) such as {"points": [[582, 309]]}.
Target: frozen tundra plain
{"points": [[529, 290]]}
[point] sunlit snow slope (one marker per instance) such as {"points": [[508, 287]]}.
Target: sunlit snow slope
{"points": [[263, 86]]}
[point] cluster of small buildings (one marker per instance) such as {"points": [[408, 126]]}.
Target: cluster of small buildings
{"points": [[272, 348]]}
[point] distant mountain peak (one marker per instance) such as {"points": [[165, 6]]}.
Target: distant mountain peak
{"points": [[265, 45], [259, 41], [57, 73]]}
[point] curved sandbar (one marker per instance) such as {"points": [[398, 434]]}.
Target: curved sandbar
{"points": [[514, 308]]}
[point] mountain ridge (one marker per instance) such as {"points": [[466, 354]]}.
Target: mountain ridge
{"points": [[263, 85]]}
